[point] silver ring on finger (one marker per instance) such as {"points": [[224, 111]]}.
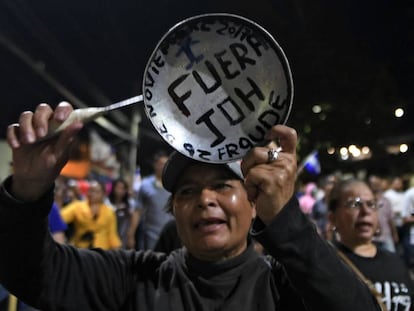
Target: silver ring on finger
{"points": [[273, 154]]}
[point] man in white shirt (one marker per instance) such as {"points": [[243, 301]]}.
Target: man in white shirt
{"points": [[408, 223]]}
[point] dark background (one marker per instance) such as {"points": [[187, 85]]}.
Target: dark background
{"points": [[354, 58]]}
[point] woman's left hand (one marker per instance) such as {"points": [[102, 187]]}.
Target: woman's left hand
{"points": [[271, 184]]}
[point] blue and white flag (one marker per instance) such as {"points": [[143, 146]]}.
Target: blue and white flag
{"points": [[311, 163]]}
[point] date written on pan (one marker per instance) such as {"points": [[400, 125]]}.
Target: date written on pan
{"points": [[216, 88], [218, 26]]}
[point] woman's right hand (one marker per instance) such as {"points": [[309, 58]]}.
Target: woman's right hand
{"points": [[36, 162]]}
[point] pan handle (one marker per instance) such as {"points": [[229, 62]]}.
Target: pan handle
{"points": [[88, 114]]}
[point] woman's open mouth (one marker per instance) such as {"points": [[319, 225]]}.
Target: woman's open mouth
{"points": [[209, 224]]}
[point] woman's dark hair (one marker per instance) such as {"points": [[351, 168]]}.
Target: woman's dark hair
{"points": [[125, 198]]}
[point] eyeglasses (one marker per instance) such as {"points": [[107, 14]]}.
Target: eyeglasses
{"points": [[357, 203]]}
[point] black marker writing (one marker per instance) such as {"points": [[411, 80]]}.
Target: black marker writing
{"points": [[205, 118], [179, 100], [246, 97], [214, 74]]}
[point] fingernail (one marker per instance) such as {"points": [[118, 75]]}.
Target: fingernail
{"points": [[14, 143], [60, 115], [30, 137], [41, 132]]}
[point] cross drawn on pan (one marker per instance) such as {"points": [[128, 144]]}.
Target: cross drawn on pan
{"points": [[186, 48]]}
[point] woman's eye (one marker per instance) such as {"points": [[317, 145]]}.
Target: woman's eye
{"points": [[185, 191], [223, 185]]}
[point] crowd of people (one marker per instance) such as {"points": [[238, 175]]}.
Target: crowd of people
{"points": [[372, 228], [89, 213], [392, 194], [241, 237]]}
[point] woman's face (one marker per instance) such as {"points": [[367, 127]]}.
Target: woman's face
{"points": [[356, 218], [120, 189], [212, 212], [96, 193]]}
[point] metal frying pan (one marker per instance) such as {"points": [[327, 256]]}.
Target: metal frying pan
{"points": [[215, 84]]}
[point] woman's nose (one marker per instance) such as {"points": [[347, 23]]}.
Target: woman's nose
{"points": [[207, 198], [365, 209]]}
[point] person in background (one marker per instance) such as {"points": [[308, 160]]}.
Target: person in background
{"points": [[387, 235], [308, 199], [127, 214], [218, 269], [57, 225], [94, 223], [151, 201], [354, 215], [395, 194], [408, 228], [320, 208], [72, 192]]}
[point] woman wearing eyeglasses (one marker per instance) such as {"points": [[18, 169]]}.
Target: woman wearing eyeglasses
{"points": [[354, 218]]}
